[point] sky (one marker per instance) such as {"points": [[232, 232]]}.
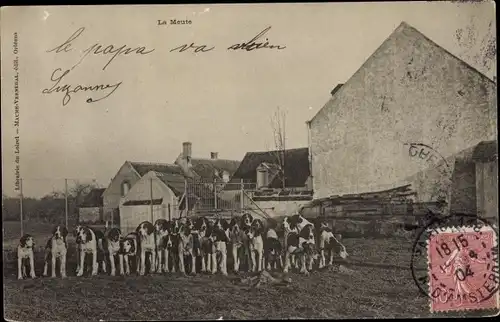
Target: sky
{"points": [[220, 100]]}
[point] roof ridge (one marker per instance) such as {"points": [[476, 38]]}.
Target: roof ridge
{"points": [[293, 149], [147, 162], [218, 159]]}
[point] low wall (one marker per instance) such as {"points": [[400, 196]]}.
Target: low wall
{"points": [[90, 215], [280, 208]]}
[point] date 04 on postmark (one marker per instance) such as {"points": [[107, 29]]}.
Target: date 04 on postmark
{"points": [[463, 269]]}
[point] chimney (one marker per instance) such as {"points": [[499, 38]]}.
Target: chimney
{"points": [[336, 89], [186, 150], [213, 155]]}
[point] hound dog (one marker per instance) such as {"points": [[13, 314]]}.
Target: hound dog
{"points": [[88, 241], [76, 232], [129, 248], [273, 250], [162, 228], [303, 245], [171, 246], [328, 242], [223, 225], [219, 240], [203, 228], [111, 245], [25, 252], [185, 247], [56, 247], [256, 242], [239, 241], [289, 228], [147, 244]]}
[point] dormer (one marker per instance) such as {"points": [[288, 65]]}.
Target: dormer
{"points": [[262, 176]]}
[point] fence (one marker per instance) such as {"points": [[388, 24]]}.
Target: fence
{"points": [[40, 203], [217, 197]]}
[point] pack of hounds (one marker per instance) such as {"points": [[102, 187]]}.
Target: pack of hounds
{"points": [[176, 245]]}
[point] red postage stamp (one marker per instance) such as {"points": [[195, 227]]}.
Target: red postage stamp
{"points": [[463, 269]]}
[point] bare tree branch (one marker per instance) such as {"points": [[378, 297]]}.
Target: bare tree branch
{"points": [[278, 128]]}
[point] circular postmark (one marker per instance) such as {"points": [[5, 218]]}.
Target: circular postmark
{"points": [[454, 262]]}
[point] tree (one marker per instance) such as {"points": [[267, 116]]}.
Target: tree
{"points": [[79, 191], [278, 126]]}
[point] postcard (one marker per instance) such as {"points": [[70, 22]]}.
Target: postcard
{"points": [[250, 161]]}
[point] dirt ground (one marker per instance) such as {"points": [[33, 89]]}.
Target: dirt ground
{"points": [[375, 281]]}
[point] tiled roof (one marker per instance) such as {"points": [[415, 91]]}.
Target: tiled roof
{"points": [[93, 198], [173, 180], [205, 167], [296, 167], [144, 167]]}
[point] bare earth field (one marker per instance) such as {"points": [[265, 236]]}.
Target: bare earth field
{"points": [[377, 283]]}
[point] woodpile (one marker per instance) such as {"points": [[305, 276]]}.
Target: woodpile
{"points": [[378, 213]]}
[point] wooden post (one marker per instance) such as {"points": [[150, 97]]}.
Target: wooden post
{"points": [[66, 201], [21, 204], [151, 195], [186, 201], [169, 214], [242, 193], [215, 194]]}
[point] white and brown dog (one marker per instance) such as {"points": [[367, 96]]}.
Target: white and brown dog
{"points": [[301, 244], [218, 239], [111, 246], [56, 248], [256, 242], [25, 252], [87, 242], [328, 243], [273, 250], [239, 242], [147, 244], [203, 248], [185, 241], [76, 232], [162, 227], [294, 223], [129, 250]]}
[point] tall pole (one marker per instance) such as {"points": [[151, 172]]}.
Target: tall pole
{"points": [[186, 199], [284, 148], [66, 201], [215, 193], [21, 204], [241, 195], [151, 195]]}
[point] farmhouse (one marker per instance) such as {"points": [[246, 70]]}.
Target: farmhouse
{"points": [[278, 181], [91, 208], [412, 113], [138, 184]]}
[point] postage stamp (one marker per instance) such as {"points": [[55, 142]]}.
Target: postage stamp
{"points": [[463, 269]]}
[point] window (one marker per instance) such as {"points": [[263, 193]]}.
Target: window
{"points": [[125, 188], [225, 176]]}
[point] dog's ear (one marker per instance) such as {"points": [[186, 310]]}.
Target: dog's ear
{"points": [[54, 230], [23, 240], [150, 228], [65, 232], [88, 235]]}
